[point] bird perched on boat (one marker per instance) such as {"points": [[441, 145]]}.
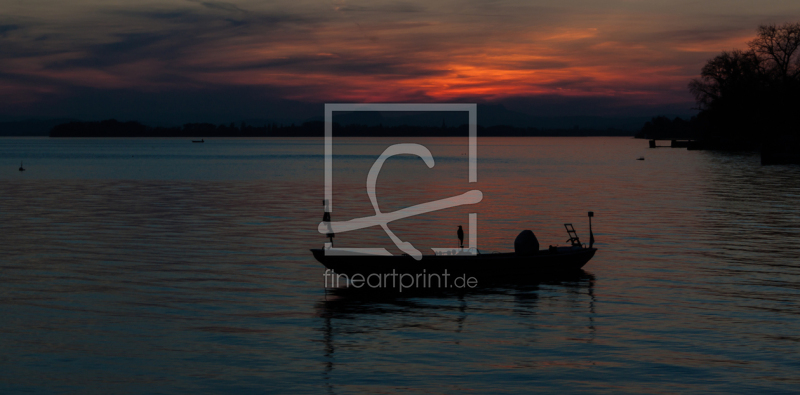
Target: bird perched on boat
{"points": [[460, 237], [326, 217]]}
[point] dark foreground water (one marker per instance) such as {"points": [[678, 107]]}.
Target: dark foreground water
{"points": [[161, 266]]}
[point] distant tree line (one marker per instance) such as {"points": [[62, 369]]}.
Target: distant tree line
{"points": [[30, 127], [664, 128], [114, 128]]}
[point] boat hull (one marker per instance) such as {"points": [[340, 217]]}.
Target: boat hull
{"points": [[479, 266]]}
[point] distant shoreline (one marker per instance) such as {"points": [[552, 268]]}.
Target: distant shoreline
{"points": [[113, 128]]}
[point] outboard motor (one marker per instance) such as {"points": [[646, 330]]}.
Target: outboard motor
{"points": [[526, 243]]}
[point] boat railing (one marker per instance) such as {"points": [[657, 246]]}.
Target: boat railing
{"points": [[573, 236]]}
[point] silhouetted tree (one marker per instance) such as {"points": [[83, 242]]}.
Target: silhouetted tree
{"points": [[777, 48], [727, 74], [746, 96]]}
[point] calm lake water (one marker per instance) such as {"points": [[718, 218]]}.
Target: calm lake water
{"points": [[162, 266]]}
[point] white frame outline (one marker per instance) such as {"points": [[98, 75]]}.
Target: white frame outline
{"points": [[471, 108]]}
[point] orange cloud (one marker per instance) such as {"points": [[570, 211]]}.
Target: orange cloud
{"points": [[375, 51]]}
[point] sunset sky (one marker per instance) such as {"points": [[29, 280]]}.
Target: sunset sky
{"points": [[183, 60]]}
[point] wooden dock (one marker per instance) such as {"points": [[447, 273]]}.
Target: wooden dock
{"points": [[674, 143]]}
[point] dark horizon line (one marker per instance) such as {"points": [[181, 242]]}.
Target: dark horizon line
{"points": [[114, 128]]}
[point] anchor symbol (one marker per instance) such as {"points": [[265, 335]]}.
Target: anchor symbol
{"points": [[380, 218]]}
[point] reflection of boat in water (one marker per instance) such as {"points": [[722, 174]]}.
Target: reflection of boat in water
{"points": [[524, 261], [541, 315]]}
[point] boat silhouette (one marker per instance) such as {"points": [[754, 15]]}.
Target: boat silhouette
{"points": [[199, 141], [469, 262], [20, 166]]}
